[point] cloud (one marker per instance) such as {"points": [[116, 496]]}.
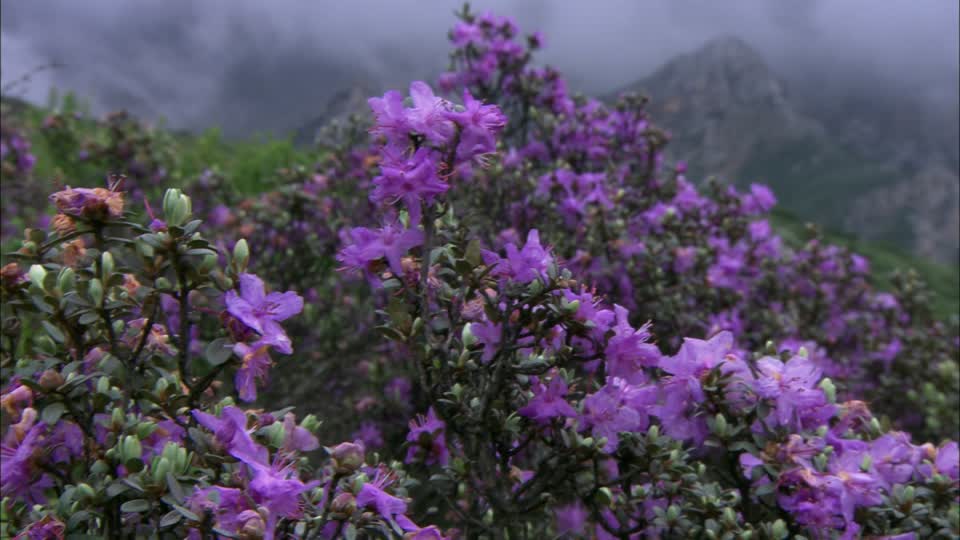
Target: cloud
{"points": [[253, 64]]}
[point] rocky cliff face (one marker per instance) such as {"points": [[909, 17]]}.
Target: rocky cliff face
{"points": [[883, 166]]}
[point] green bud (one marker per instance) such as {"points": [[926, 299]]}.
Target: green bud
{"points": [[130, 448], [67, 280], [488, 517], [208, 263], [160, 388], [829, 389], [729, 516], [241, 255], [310, 423], [99, 467], [145, 249], [475, 403], [720, 425], [573, 306], [673, 512], [866, 462], [37, 274], [276, 434], [417, 326], [164, 284], [176, 207], [466, 335], [96, 291], [909, 493], [117, 419], [587, 442], [653, 432], [84, 491], [802, 352], [160, 471], [106, 263], [604, 496], [779, 529]]}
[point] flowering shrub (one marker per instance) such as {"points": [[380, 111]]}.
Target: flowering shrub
{"points": [[547, 332]]}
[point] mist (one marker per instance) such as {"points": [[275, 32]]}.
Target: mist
{"points": [[250, 65]]}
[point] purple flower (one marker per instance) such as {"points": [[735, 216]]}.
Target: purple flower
{"points": [[615, 408], [19, 477], [391, 117], [521, 265], [372, 495], [548, 402], [571, 518], [296, 438], [262, 312], [369, 434], [894, 458], [410, 179], [793, 386], [479, 124], [683, 391], [427, 116], [367, 245], [760, 199], [628, 352], [47, 528], [254, 368], [427, 442], [230, 430]]}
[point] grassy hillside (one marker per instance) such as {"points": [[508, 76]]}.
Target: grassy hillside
{"points": [[943, 280]]}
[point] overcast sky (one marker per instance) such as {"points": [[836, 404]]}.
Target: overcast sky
{"points": [[270, 64]]}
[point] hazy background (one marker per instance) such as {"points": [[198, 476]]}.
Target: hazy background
{"points": [[268, 64], [848, 109]]}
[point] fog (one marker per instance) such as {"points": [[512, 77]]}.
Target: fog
{"points": [[269, 65]]}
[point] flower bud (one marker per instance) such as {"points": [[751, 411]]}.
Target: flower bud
{"points": [[85, 491], [160, 388], [829, 389], [673, 512], [176, 207], [103, 385], [720, 425], [99, 467], [208, 263], [347, 457], [106, 264], [779, 529], [50, 380], [130, 448], [37, 274], [95, 288], [116, 419], [467, 337], [310, 423], [604, 496], [160, 470], [344, 504], [241, 255]]}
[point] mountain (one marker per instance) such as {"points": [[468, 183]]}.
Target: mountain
{"points": [[880, 165]]}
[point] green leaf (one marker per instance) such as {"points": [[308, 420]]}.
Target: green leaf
{"points": [[115, 489], [175, 488], [135, 506], [170, 518], [186, 513], [52, 413], [53, 331], [217, 352]]}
